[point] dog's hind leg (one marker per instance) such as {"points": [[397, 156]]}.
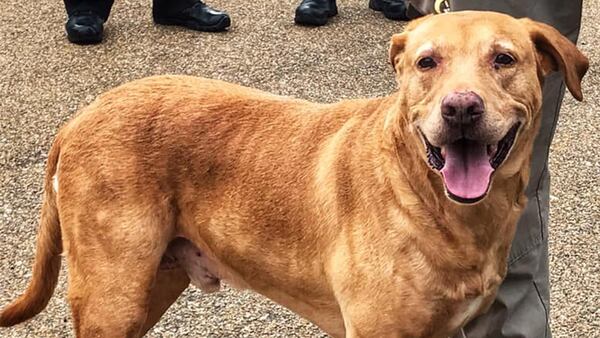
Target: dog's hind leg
{"points": [[169, 284], [181, 264], [113, 257]]}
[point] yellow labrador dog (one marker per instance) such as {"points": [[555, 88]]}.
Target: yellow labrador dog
{"points": [[385, 217]]}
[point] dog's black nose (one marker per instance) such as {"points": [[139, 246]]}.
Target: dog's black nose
{"points": [[462, 108]]}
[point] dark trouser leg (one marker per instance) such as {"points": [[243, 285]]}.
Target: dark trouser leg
{"points": [[170, 7], [100, 7], [522, 308]]}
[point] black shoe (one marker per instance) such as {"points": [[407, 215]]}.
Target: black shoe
{"points": [[392, 9], [84, 28], [198, 17], [315, 12]]}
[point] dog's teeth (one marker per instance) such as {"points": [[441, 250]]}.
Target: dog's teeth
{"points": [[492, 149]]}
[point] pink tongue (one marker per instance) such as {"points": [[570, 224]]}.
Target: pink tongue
{"points": [[467, 170]]}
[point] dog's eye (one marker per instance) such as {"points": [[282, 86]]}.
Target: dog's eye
{"points": [[426, 63], [503, 59]]}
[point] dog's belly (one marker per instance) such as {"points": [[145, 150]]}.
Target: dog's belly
{"points": [[206, 273], [200, 269]]}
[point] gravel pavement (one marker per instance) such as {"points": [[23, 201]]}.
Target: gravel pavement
{"points": [[44, 80]]}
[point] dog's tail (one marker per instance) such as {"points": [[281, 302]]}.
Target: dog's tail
{"points": [[47, 258]]}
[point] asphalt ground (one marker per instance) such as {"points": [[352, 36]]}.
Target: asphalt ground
{"points": [[44, 80]]}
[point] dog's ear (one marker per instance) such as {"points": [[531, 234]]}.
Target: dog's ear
{"points": [[557, 53], [396, 48], [399, 41]]}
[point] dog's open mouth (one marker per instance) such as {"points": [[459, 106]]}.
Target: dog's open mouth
{"points": [[467, 166]]}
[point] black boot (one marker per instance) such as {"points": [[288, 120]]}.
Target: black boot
{"points": [[315, 12], [392, 9], [190, 14], [84, 28]]}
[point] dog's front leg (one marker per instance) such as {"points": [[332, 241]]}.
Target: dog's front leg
{"points": [[367, 322]]}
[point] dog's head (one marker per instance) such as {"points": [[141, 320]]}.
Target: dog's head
{"points": [[471, 86]]}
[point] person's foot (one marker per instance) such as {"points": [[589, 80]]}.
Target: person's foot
{"points": [[391, 9], [315, 12], [84, 28], [198, 17]]}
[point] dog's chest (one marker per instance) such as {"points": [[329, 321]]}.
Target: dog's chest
{"points": [[466, 311]]}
